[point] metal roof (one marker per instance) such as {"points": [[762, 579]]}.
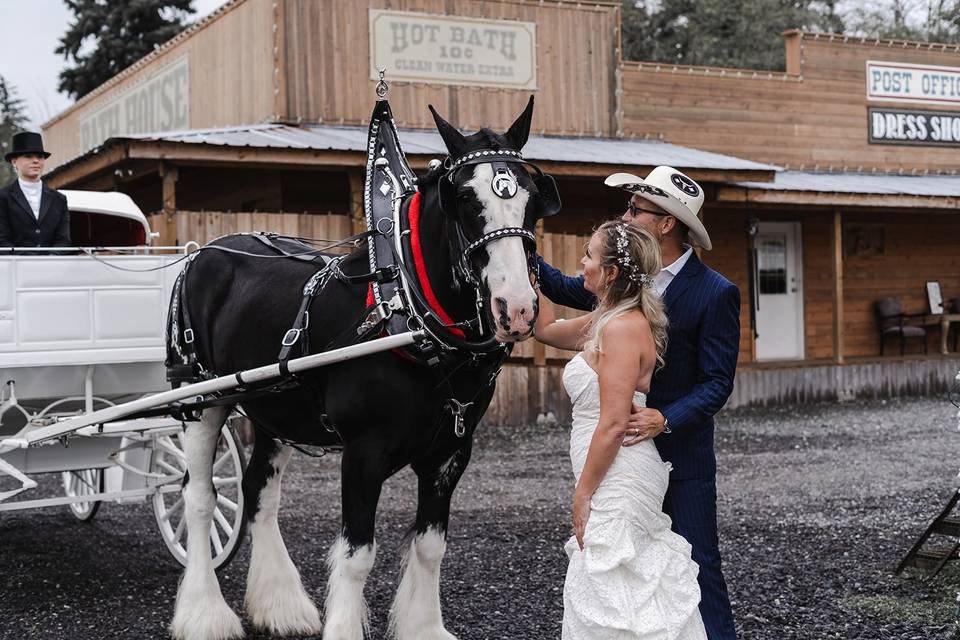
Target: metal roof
{"points": [[860, 183], [427, 142]]}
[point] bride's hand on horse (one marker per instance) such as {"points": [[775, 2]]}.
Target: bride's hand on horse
{"points": [[581, 513], [644, 423]]}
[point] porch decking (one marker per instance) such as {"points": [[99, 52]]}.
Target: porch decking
{"points": [[866, 377], [526, 392]]}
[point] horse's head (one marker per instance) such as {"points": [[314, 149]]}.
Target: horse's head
{"points": [[495, 203]]}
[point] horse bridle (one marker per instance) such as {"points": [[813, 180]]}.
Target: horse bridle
{"points": [[499, 158]]}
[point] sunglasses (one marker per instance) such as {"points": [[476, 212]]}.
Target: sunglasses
{"points": [[635, 210]]}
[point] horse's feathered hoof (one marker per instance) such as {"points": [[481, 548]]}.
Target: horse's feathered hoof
{"points": [[209, 619], [291, 615]]}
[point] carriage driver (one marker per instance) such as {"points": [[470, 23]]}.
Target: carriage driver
{"points": [[31, 214]]}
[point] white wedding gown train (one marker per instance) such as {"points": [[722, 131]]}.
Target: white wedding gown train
{"points": [[634, 578]]}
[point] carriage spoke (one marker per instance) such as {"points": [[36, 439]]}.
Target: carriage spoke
{"points": [[222, 521], [219, 482], [226, 502], [215, 539], [169, 467], [220, 461], [178, 532], [175, 507]]}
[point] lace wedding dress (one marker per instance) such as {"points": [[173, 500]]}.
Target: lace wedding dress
{"points": [[634, 578]]}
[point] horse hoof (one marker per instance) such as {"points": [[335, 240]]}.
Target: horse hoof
{"points": [[206, 620], [286, 616]]}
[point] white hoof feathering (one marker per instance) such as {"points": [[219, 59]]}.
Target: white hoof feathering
{"points": [[346, 609], [415, 614], [201, 612], [276, 600]]}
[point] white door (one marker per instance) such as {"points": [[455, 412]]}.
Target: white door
{"points": [[779, 291]]}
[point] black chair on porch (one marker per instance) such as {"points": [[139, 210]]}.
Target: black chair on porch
{"points": [[890, 317]]}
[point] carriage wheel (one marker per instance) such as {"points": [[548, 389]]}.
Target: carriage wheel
{"points": [[85, 482], [229, 523]]}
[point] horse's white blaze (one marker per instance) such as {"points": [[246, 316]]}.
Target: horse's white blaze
{"points": [[275, 598], [506, 272], [201, 613], [415, 614], [346, 610]]}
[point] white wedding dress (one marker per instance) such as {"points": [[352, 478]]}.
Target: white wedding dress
{"points": [[634, 578]]}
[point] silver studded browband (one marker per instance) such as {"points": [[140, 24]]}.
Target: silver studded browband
{"points": [[496, 235]]}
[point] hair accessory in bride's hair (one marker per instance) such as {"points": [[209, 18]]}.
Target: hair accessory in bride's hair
{"points": [[626, 262]]}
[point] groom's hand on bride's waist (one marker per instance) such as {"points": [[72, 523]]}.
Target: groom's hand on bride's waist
{"points": [[644, 423]]}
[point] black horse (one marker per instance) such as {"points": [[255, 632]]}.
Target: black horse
{"points": [[386, 410]]}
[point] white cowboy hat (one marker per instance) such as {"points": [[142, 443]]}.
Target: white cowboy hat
{"points": [[673, 192]]}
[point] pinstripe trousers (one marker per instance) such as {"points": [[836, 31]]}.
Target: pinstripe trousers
{"points": [[692, 505]]}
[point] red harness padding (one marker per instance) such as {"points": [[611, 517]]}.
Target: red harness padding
{"points": [[413, 215]]}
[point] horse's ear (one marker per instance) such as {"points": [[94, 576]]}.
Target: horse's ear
{"points": [[519, 131], [451, 137]]}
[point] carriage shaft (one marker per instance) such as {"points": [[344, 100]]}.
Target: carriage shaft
{"points": [[215, 385]]}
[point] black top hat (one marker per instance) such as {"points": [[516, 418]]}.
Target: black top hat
{"points": [[24, 143]]}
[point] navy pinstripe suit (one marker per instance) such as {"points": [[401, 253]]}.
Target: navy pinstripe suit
{"points": [[701, 358]]}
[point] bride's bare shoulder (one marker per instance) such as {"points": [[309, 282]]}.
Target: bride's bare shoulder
{"points": [[625, 325]]}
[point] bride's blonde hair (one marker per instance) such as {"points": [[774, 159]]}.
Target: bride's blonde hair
{"points": [[637, 256]]}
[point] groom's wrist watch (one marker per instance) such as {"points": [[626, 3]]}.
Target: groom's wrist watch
{"points": [[666, 429]]}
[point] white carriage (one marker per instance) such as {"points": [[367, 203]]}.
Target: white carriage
{"points": [[81, 330]]}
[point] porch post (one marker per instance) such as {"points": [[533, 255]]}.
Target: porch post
{"points": [[358, 221], [838, 286], [168, 234]]}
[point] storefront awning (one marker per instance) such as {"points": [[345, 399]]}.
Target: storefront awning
{"points": [[333, 145], [848, 189]]}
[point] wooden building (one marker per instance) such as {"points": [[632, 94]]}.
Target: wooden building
{"points": [[833, 183]]}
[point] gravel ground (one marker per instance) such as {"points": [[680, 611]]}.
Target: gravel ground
{"points": [[817, 505]]}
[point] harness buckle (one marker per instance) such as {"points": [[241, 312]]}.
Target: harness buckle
{"points": [[290, 337], [379, 313], [188, 336]]}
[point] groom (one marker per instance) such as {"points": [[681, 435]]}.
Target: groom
{"points": [[703, 341]]}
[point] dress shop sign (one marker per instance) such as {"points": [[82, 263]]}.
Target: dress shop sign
{"points": [[159, 103], [423, 47], [925, 84]]}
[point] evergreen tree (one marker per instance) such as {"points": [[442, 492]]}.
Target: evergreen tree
{"points": [[720, 33], [107, 36], [12, 120]]}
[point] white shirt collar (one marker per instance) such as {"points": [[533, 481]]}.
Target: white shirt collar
{"points": [[29, 186], [663, 279], [677, 265]]}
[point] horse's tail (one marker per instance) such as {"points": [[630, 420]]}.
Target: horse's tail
{"points": [[181, 360]]}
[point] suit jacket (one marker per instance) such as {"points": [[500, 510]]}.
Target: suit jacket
{"points": [[20, 228], [701, 358]]}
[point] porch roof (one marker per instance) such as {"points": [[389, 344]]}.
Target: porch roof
{"points": [[336, 145], [852, 189]]}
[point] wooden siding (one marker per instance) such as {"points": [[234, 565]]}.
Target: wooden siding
{"points": [[203, 226], [917, 248], [814, 120], [816, 382], [231, 65], [328, 68]]}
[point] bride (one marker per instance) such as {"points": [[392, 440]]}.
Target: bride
{"points": [[629, 576]]}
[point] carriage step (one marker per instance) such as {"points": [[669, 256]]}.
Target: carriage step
{"points": [[948, 527], [929, 557]]}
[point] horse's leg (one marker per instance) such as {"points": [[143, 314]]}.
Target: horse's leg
{"points": [[352, 554], [415, 614], [276, 601], [201, 612]]}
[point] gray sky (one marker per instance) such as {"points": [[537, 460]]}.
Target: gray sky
{"points": [[29, 32]]}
